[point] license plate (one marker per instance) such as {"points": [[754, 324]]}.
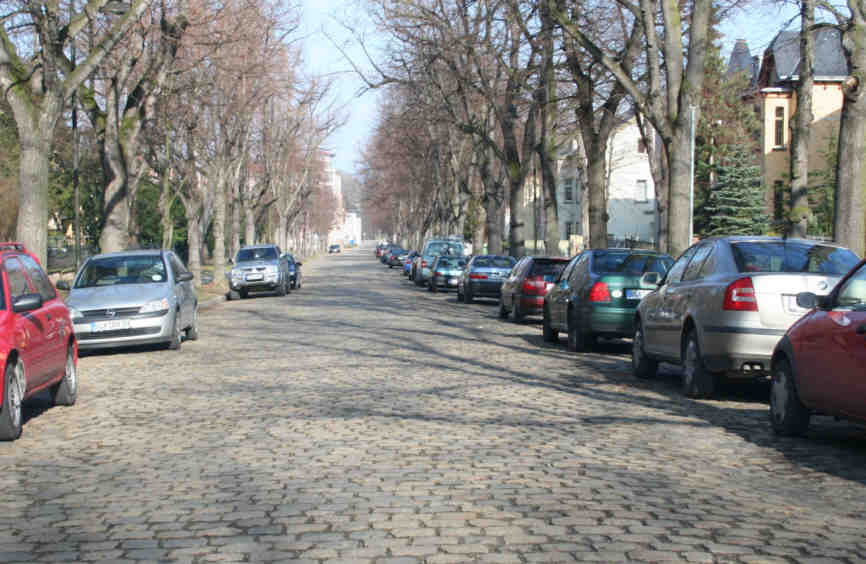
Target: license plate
{"points": [[255, 276], [111, 325], [636, 294]]}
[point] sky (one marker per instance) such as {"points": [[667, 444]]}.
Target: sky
{"points": [[757, 24]]}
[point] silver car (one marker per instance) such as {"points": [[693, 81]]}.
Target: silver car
{"points": [[726, 302], [133, 298]]}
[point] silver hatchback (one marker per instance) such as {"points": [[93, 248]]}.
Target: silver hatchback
{"points": [[726, 302], [133, 298]]}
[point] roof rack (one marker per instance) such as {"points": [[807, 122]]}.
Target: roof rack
{"points": [[12, 246]]}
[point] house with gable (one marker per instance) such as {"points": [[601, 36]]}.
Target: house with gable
{"points": [[775, 98]]}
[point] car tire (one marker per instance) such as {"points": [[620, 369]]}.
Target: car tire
{"points": [[281, 289], [431, 286], [578, 340], [177, 337], [516, 314], [467, 296], [11, 415], [192, 330], [548, 333], [698, 382], [65, 392], [232, 295], [788, 416], [244, 294], [459, 294], [642, 366]]}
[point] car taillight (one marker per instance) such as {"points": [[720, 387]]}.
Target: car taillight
{"points": [[423, 264], [478, 276], [534, 286], [437, 273], [740, 296], [599, 292]]}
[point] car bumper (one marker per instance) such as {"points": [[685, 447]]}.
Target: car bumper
{"points": [[612, 321], [490, 289], [136, 331], [532, 305], [739, 350], [267, 284], [445, 281]]}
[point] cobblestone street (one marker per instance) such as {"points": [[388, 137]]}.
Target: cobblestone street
{"points": [[363, 419]]}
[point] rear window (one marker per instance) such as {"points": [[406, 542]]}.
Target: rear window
{"points": [[450, 263], [607, 261], [638, 264], [444, 248], [493, 262], [548, 269], [785, 256]]}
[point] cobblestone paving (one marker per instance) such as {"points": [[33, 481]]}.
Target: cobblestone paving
{"points": [[362, 419]]}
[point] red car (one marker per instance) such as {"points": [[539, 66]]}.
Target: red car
{"points": [[37, 344], [818, 366]]}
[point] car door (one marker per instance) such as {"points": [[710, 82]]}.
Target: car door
{"points": [[30, 326], [510, 283], [54, 314], [661, 331], [183, 291], [832, 352], [557, 297]]}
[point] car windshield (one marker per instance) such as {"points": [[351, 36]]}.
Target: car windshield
{"points": [[263, 253], [636, 265], [790, 256], [547, 269], [493, 262], [608, 261], [444, 248], [450, 263], [130, 269]]}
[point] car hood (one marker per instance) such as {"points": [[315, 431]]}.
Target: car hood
{"points": [[121, 295], [256, 263]]}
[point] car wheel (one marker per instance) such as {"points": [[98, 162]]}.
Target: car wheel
{"points": [[578, 341], [698, 382], [548, 333], [459, 294], [467, 296], [516, 314], [503, 313], [281, 289], [192, 330], [244, 294], [176, 337], [232, 295], [431, 286], [65, 391], [13, 397], [641, 365], [788, 415]]}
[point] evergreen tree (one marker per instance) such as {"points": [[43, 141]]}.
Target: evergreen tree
{"points": [[735, 205]]}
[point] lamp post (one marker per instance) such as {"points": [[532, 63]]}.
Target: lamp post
{"points": [[75, 164]]}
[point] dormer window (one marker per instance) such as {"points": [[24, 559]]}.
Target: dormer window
{"points": [[779, 137]]}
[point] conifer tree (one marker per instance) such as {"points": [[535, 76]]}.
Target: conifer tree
{"points": [[735, 205]]}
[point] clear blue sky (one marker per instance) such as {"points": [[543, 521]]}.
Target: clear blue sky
{"points": [[757, 24]]}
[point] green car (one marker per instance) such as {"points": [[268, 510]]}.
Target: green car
{"points": [[597, 293]]}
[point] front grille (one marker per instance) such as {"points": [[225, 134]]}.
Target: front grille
{"points": [[119, 333], [118, 312], [254, 269]]}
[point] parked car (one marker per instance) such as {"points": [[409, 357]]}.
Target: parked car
{"points": [[259, 268], [524, 288], [723, 306], [37, 342], [482, 277], [817, 366], [395, 256], [597, 293], [334, 249], [407, 263], [296, 277], [133, 298], [445, 272], [421, 271]]}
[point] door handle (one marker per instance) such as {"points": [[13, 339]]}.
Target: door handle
{"points": [[861, 330]]}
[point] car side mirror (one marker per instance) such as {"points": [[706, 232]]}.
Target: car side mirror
{"points": [[62, 285], [231, 261], [299, 263], [27, 302], [650, 279], [808, 300], [184, 277]]}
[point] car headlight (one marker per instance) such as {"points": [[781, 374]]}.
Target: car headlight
{"points": [[75, 313], [155, 305], [271, 269], [236, 274]]}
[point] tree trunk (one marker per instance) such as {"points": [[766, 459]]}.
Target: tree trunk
{"points": [[679, 165], [236, 221], [165, 204], [250, 225], [115, 207], [193, 230], [597, 194], [33, 200], [219, 234], [849, 227], [802, 119]]}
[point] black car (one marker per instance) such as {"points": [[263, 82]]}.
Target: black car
{"points": [[296, 278], [482, 277]]}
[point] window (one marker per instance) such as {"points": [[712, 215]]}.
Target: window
{"points": [[39, 279], [570, 229], [853, 293], [642, 191], [790, 256], [568, 189], [18, 285], [697, 262], [779, 140], [676, 271]]}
